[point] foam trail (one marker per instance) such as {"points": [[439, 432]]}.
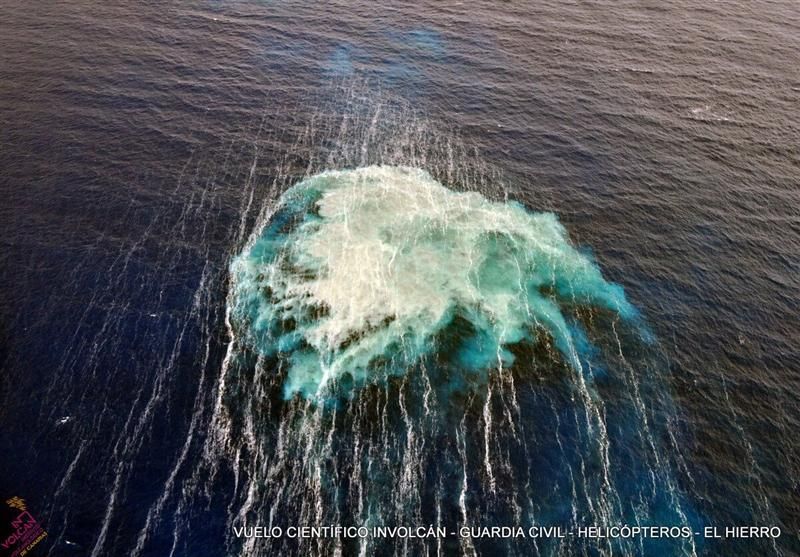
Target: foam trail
{"points": [[404, 348]]}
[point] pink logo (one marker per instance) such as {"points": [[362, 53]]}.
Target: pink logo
{"points": [[25, 532]]}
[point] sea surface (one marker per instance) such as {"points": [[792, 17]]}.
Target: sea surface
{"points": [[145, 148]]}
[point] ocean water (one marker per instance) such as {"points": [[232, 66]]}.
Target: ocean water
{"points": [[166, 219]]}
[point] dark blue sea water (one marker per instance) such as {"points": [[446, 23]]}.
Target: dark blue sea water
{"points": [[143, 147]]}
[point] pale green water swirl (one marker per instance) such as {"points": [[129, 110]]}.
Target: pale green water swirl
{"points": [[360, 271]]}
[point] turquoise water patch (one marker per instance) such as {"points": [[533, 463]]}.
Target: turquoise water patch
{"points": [[359, 274]]}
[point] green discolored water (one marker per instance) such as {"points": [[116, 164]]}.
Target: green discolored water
{"points": [[360, 273]]}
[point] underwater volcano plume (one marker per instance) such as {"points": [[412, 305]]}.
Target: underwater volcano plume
{"points": [[404, 353], [361, 273]]}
